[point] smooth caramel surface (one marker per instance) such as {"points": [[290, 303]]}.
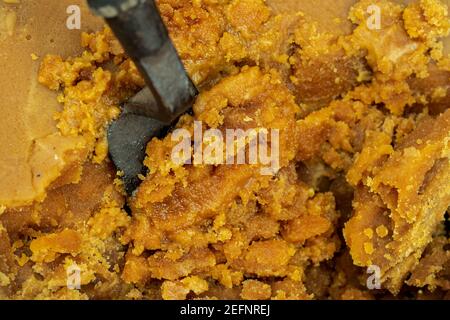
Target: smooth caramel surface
{"points": [[33, 153]]}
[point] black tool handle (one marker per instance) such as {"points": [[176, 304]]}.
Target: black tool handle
{"points": [[140, 29]]}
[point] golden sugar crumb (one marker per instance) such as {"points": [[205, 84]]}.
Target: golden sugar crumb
{"points": [[120, 173], [439, 93], [4, 280], [22, 260], [382, 231], [368, 232], [387, 256], [195, 284], [368, 247]]}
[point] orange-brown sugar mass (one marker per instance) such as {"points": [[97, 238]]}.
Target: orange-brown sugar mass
{"points": [[187, 213], [364, 131]]}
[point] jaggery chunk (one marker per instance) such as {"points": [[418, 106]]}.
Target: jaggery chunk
{"points": [[34, 262], [197, 229], [406, 195]]}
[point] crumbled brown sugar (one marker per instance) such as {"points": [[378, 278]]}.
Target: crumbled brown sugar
{"points": [[364, 133]]}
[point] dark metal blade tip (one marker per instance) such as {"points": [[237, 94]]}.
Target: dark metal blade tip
{"points": [[127, 139]]}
